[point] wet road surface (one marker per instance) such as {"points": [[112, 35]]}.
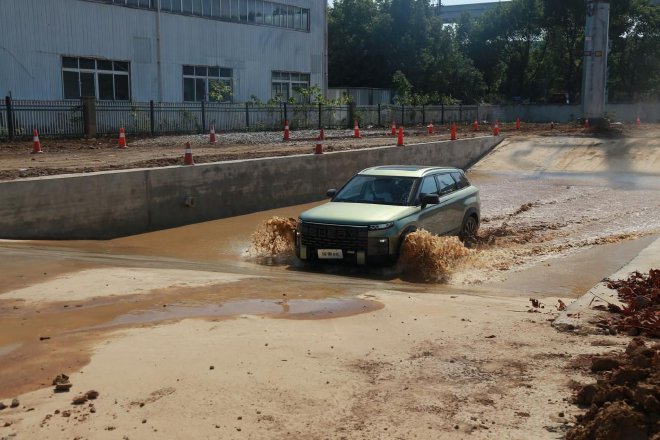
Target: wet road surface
{"points": [[544, 232]]}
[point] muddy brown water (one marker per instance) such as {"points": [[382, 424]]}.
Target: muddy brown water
{"points": [[549, 234]]}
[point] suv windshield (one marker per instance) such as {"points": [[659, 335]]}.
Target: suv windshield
{"points": [[383, 190]]}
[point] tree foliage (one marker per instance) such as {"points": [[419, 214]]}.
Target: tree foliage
{"points": [[521, 49]]}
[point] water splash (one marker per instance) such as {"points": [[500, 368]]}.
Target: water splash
{"points": [[275, 237], [430, 258]]}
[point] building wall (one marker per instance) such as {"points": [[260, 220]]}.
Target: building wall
{"points": [[36, 34]]}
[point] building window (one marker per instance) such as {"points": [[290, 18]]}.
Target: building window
{"points": [[107, 80], [144, 4], [286, 85], [200, 81], [257, 12]]}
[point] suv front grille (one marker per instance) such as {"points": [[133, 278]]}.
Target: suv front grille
{"points": [[323, 236]]}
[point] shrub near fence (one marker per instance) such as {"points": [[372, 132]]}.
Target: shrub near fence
{"points": [[65, 118]]}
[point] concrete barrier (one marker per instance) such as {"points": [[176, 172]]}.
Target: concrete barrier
{"points": [[117, 203]]}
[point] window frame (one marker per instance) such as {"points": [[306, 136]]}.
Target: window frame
{"points": [[96, 72], [207, 78]]}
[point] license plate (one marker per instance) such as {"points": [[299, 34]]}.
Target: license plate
{"points": [[330, 254]]}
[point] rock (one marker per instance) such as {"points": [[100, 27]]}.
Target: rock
{"points": [[57, 411], [634, 345], [604, 364], [2, 406], [66, 413], [44, 338], [79, 400], [629, 376], [211, 367], [63, 387], [586, 395], [60, 378], [92, 394], [14, 403], [640, 361]]}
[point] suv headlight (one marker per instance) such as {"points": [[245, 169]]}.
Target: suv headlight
{"points": [[381, 226]]}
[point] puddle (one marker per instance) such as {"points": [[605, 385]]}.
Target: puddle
{"points": [[284, 309]]}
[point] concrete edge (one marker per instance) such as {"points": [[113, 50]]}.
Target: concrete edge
{"points": [[205, 164], [579, 315]]}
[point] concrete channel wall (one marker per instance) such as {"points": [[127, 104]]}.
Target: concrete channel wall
{"points": [[118, 203]]}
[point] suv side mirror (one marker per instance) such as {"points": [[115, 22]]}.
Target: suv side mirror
{"points": [[331, 192], [430, 199]]}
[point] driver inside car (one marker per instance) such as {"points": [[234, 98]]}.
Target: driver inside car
{"points": [[380, 191]]}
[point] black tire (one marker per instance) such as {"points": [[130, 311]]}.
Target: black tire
{"points": [[468, 234]]}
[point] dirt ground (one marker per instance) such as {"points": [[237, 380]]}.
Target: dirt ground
{"points": [[185, 335], [63, 156]]}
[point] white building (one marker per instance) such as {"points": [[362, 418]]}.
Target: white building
{"points": [[161, 50]]}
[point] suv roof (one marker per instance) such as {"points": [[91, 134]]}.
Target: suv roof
{"points": [[404, 170]]}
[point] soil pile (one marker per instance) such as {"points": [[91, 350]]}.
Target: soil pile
{"points": [[640, 314], [625, 403]]}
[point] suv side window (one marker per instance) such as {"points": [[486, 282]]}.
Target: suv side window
{"points": [[461, 180], [428, 186], [446, 183]]}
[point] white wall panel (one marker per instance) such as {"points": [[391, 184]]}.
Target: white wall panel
{"points": [[37, 33]]}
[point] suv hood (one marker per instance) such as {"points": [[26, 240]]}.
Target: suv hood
{"points": [[342, 213]]}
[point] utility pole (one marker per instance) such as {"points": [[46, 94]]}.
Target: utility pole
{"points": [[594, 65]]}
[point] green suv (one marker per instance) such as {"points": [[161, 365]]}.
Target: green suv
{"points": [[368, 218]]}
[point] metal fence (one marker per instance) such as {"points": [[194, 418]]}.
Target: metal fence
{"points": [[61, 118], [73, 118]]}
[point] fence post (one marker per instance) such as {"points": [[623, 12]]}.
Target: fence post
{"points": [[88, 104], [402, 115], [10, 118], [351, 114], [320, 115], [460, 112], [477, 115], [203, 117], [152, 117], [442, 113], [247, 116], [379, 114], [286, 114], [423, 114]]}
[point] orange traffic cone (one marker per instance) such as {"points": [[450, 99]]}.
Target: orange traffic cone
{"points": [[517, 123], [321, 135], [496, 128], [393, 128], [399, 141], [212, 139], [319, 148], [122, 139], [36, 147], [188, 157], [586, 123], [475, 125], [431, 128], [453, 131], [356, 129], [286, 130], [637, 121]]}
